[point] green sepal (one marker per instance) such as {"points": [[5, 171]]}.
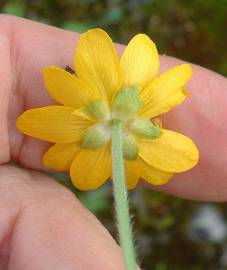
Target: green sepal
{"points": [[126, 103], [144, 128], [130, 147], [96, 136], [98, 110]]}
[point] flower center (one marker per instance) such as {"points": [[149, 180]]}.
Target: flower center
{"points": [[125, 108]]}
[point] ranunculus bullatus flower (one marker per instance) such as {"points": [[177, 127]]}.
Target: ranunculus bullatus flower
{"points": [[105, 89]]}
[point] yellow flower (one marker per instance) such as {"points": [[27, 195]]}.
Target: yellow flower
{"points": [[105, 89]]}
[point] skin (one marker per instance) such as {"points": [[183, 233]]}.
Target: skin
{"points": [[43, 226]]}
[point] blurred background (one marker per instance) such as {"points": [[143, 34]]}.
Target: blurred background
{"points": [[170, 233]]}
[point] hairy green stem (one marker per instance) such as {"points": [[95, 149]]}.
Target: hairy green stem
{"points": [[121, 200]]}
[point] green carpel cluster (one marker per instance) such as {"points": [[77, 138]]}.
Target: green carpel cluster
{"points": [[124, 108]]}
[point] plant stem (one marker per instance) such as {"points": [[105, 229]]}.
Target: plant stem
{"points": [[120, 196]]}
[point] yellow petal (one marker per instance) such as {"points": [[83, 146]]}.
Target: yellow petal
{"points": [[171, 152], [91, 168], [165, 92], [131, 173], [97, 63], [66, 88], [140, 61], [60, 156], [57, 124], [151, 175]]}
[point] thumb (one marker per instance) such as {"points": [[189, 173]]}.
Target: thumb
{"points": [[49, 228]]}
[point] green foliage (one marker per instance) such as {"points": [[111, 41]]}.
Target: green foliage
{"points": [[96, 201], [16, 8], [192, 30], [75, 26]]}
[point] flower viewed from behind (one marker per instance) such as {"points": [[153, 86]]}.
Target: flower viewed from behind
{"points": [[106, 89]]}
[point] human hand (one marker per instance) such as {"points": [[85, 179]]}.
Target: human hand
{"points": [[44, 227], [25, 49]]}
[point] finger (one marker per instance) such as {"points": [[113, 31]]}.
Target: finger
{"points": [[200, 117], [5, 79], [43, 226], [27, 48]]}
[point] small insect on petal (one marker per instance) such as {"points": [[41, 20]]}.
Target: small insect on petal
{"points": [[69, 69]]}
